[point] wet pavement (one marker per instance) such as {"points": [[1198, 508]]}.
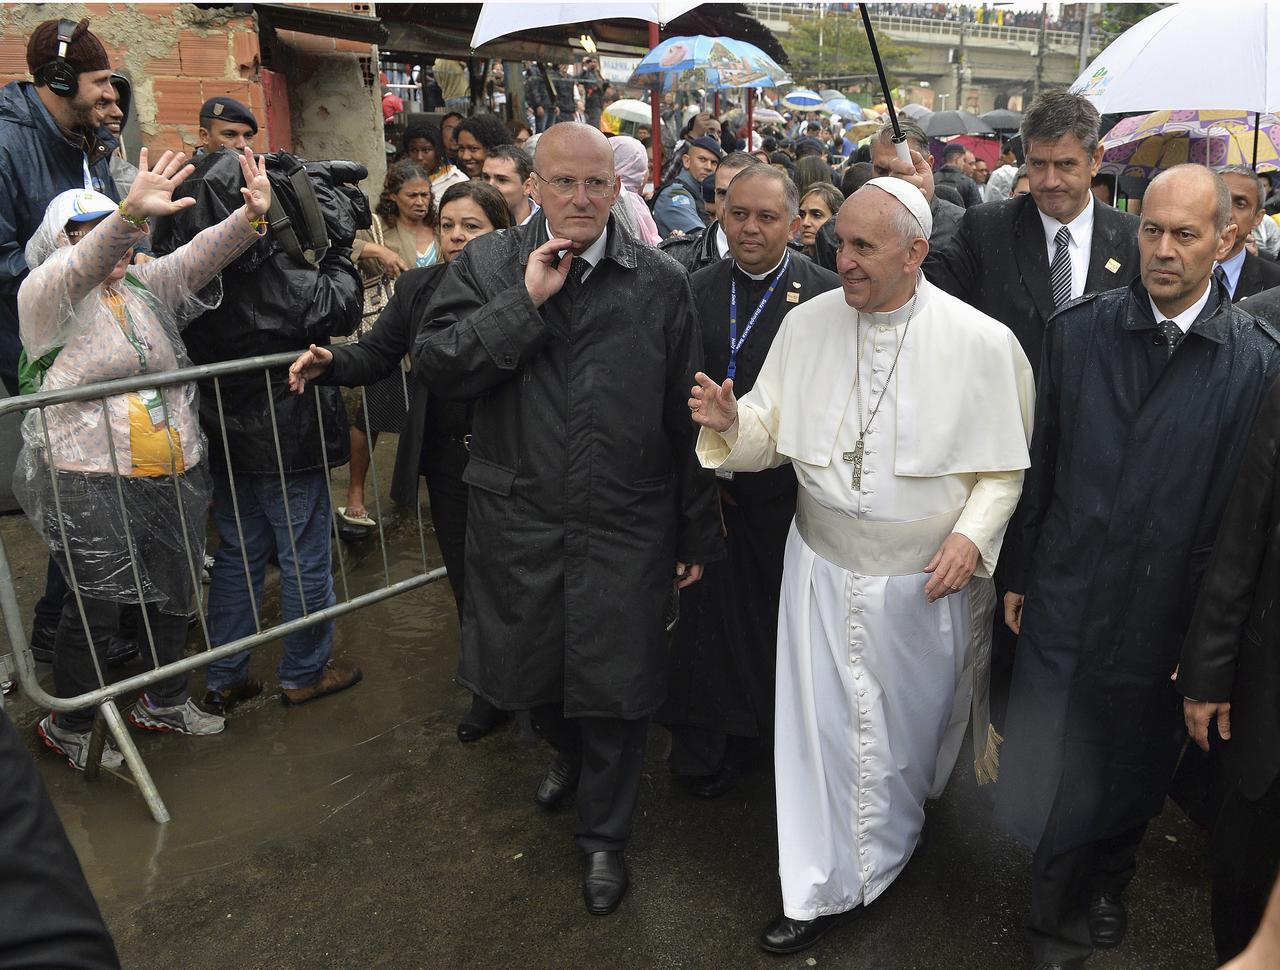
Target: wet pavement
{"points": [[357, 831]]}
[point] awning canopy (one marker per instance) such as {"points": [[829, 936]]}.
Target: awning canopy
{"points": [[321, 22]]}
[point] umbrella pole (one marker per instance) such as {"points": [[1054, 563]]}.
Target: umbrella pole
{"points": [[655, 115], [1257, 123], [750, 103], [899, 139]]}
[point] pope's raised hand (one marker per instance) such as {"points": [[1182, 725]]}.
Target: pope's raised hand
{"points": [[713, 405], [543, 277]]}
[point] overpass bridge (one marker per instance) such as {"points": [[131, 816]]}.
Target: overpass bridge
{"points": [[972, 66]]}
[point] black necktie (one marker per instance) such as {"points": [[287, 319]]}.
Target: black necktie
{"points": [[1060, 268], [1220, 275], [577, 268], [1172, 333]]}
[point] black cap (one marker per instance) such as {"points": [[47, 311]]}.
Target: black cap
{"points": [[229, 109], [810, 146], [710, 144]]}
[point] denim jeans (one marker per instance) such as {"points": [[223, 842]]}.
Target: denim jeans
{"points": [[266, 529]]}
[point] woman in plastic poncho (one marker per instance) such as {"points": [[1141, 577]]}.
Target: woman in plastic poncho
{"points": [[129, 468]]}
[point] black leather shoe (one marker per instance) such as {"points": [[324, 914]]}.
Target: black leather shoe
{"points": [[561, 778], [1107, 920], [787, 935], [605, 882], [713, 786], [480, 720]]}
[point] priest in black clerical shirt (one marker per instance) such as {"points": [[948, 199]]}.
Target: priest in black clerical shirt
{"points": [[719, 705]]}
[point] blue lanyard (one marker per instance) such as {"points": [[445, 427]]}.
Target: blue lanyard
{"points": [[734, 343]]}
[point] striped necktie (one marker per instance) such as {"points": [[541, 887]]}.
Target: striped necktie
{"points": [[1220, 275], [1060, 268]]}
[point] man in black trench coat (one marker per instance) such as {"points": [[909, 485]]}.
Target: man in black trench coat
{"points": [[1144, 402], [578, 345]]}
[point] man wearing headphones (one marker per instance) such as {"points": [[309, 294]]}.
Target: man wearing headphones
{"points": [[53, 137]]}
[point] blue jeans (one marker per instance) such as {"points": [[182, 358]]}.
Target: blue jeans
{"points": [[266, 529]]}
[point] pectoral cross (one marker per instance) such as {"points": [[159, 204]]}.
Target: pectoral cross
{"points": [[855, 458]]}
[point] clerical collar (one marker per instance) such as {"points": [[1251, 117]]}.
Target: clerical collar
{"points": [[592, 254], [896, 318], [1187, 317], [759, 276]]}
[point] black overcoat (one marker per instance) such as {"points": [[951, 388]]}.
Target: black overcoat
{"points": [[1133, 456], [585, 489]]}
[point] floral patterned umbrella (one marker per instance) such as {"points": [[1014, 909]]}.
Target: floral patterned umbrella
{"points": [[1144, 145]]}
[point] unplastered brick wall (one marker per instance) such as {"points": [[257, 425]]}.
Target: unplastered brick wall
{"points": [[177, 56]]}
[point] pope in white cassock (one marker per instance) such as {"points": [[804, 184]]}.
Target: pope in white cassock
{"points": [[906, 415]]}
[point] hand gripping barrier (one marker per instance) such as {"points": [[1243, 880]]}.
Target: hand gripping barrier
{"points": [[104, 697]]}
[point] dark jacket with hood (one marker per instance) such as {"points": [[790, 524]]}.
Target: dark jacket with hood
{"points": [[38, 161], [585, 489], [271, 303]]}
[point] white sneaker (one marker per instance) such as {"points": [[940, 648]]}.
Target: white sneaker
{"points": [[74, 745], [185, 718]]}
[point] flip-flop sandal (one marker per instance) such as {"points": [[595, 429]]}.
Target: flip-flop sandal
{"points": [[363, 520]]}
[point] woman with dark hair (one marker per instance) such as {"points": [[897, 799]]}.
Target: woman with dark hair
{"points": [[425, 145], [820, 203], [434, 442], [402, 237], [811, 170], [520, 132], [477, 136]]}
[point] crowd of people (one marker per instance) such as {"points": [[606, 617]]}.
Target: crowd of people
{"points": [[844, 435]]}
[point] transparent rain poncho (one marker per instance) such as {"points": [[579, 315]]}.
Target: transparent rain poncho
{"points": [[117, 486]]}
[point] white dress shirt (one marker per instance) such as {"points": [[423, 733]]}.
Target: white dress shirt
{"points": [[722, 241], [1081, 229], [1187, 317]]}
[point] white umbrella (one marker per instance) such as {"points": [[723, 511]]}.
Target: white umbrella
{"points": [[629, 109], [1192, 56], [500, 19]]}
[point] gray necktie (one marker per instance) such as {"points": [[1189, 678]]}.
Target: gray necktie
{"points": [[1060, 268], [1172, 334]]}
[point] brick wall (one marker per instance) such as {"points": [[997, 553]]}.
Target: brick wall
{"points": [[177, 55]]}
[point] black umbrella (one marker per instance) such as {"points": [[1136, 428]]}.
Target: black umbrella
{"points": [[1003, 120], [944, 124]]}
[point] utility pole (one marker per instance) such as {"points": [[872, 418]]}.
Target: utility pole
{"points": [[1042, 48], [1084, 36]]}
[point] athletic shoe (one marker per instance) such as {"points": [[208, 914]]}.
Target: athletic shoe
{"points": [[185, 718], [74, 745]]}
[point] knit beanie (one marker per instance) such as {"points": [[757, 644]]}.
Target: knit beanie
{"points": [[85, 53]]}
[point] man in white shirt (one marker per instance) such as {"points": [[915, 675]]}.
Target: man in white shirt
{"points": [[909, 468]]}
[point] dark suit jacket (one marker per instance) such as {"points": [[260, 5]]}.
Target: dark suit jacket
{"points": [[998, 263], [1232, 651], [1257, 274]]}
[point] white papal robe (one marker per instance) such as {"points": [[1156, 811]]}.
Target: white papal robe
{"points": [[868, 671]]}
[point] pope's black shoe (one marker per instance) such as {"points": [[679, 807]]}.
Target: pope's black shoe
{"points": [[1107, 920], [787, 935], [605, 882], [561, 778]]}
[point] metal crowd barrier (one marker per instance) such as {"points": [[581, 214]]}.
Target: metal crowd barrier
{"points": [[106, 694]]}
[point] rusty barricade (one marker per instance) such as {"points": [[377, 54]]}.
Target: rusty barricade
{"points": [[105, 696]]}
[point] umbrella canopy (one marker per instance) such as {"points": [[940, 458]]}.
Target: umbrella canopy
{"points": [[767, 116], [943, 124], [829, 94], [862, 129], [1003, 120], [1193, 55], [629, 109], [1146, 144], [802, 99], [500, 19], [915, 112], [844, 108], [711, 62]]}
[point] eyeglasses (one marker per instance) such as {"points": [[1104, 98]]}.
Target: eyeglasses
{"points": [[566, 188]]}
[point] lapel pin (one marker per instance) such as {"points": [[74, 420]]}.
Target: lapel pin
{"points": [[793, 297], [1112, 266]]}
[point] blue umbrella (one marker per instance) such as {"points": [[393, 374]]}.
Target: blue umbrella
{"points": [[845, 108], [803, 98], [710, 62]]}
